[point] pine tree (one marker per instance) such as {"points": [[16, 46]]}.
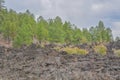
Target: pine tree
{"points": [[77, 35], [2, 4], [68, 35], [41, 30]]}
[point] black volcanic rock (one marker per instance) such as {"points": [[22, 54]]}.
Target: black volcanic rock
{"points": [[36, 63]]}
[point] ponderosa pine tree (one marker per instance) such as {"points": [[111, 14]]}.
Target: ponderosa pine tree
{"points": [[77, 35], [21, 28], [26, 29], [2, 4], [68, 36], [41, 30]]}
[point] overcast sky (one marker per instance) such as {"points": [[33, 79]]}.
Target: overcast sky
{"points": [[83, 13]]}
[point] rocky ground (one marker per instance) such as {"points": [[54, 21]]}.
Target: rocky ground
{"points": [[36, 63]]}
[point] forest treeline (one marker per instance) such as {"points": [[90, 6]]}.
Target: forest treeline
{"points": [[23, 28]]}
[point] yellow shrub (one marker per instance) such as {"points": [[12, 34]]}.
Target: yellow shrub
{"points": [[117, 52], [101, 49], [74, 50]]}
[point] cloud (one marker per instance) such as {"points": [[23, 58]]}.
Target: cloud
{"points": [[97, 7], [116, 28], [83, 13]]}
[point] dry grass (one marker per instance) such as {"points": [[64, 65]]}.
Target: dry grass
{"points": [[57, 48], [101, 49], [74, 50], [117, 52]]}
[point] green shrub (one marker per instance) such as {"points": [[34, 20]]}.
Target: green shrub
{"points": [[101, 49]]}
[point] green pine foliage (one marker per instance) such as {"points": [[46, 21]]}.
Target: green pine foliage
{"points": [[21, 28], [41, 29], [2, 4]]}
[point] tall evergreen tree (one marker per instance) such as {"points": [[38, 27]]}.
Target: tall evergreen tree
{"points": [[108, 35], [2, 4], [68, 35], [22, 28], [41, 30], [77, 35]]}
